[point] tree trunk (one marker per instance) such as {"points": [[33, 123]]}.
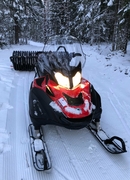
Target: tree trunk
{"points": [[115, 31], [120, 35], [124, 38], [16, 28]]}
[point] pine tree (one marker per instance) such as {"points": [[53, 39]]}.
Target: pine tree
{"points": [[121, 28], [92, 21], [59, 16]]}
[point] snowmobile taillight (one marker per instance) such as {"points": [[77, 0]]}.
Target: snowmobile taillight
{"points": [[65, 81]]}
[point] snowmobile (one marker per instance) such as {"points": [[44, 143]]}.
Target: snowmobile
{"points": [[60, 96]]}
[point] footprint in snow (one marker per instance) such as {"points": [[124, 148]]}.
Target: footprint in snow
{"points": [[5, 106], [4, 147]]}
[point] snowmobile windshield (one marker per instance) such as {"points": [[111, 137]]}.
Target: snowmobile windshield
{"points": [[67, 44]]}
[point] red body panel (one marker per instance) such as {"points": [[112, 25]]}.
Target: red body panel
{"points": [[59, 100]]}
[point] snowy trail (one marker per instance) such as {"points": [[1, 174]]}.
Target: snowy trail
{"points": [[114, 102], [75, 154], [17, 158]]}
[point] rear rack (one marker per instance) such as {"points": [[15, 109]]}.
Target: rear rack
{"points": [[24, 60]]}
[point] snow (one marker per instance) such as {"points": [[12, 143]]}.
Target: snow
{"points": [[4, 147], [110, 3], [55, 106], [75, 154], [38, 144], [73, 110]]}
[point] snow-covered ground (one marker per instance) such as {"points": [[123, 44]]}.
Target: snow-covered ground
{"points": [[75, 154]]}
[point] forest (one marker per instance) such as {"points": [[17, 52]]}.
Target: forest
{"points": [[91, 21]]}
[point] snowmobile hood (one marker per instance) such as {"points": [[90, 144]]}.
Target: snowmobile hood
{"points": [[62, 58]]}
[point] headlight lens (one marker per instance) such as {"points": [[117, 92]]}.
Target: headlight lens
{"points": [[64, 81], [76, 79]]}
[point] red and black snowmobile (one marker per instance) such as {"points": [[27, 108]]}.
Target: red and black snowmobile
{"points": [[59, 95]]}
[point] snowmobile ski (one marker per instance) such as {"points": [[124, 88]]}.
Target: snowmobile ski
{"points": [[40, 155], [114, 145]]}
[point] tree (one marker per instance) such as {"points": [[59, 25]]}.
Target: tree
{"points": [[121, 23], [25, 18], [92, 21], [59, 16], [124, 24]]}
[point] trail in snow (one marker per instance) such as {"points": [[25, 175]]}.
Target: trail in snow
{"points": [[75, 154], [121, 112]]}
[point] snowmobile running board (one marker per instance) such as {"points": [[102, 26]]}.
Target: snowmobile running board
{"points": [[40, 155], [114, 145]]}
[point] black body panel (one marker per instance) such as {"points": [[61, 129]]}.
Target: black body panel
{"points": [[41, 113]]}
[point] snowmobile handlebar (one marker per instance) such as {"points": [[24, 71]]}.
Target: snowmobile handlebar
{"points": [[73, 53], [62, 47]]}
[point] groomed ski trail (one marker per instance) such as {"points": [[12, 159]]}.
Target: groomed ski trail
{"points": [[75, 154]]}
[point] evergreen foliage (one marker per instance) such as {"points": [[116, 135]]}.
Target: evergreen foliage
{"points": [[91, 21]]}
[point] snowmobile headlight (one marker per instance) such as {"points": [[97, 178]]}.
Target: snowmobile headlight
{"points": [[62, 80], [76, 79]]}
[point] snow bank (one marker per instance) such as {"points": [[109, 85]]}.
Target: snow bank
{"points": [[36, 43]]}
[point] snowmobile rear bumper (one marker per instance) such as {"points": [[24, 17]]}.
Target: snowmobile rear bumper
{"points": [[41, 113]]}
